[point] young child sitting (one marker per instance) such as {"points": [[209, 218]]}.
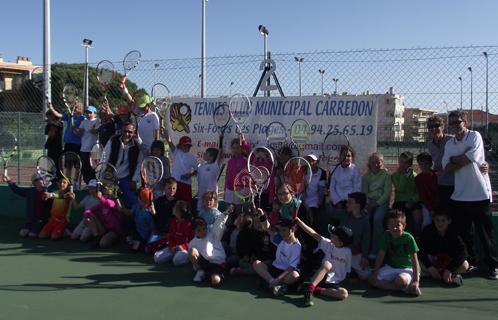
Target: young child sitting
{"points": [[179, 235], [396, 266], [284, 270], [209, 210], [104, 220], [206, 251], [82, 232], [336, 263], [37, 210], [59, 212], [164, 206], [359, 223], [144, 222], [442, 251], [406, 196]]}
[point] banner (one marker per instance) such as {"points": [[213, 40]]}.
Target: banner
{"points": [[355, 116]]}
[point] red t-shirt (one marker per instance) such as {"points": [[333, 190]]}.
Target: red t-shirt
{"points": [[426, 184]]}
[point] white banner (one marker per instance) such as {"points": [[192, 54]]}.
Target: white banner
{"points": [[355, 116]]}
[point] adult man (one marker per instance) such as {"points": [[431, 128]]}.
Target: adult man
{"points": [[471, 197], [123, 152]]}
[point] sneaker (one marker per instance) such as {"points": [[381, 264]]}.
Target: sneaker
{"points": [[493, 274], [280, 290], [199, 276], [307, 298], [417, 292], [457, 280]]}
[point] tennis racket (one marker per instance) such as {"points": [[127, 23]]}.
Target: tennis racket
{"points": [[107, 177], [244, 186], [70, 96], [300, 133], [240, 109], [261, 177], [70, 167], [8, 147], [151, 171], [276, 136], [96, 154], [106, 72], [161, 97], [46, 170], [130, 62], [222, 116], [297, 173], [332, 145], [38, 78]]}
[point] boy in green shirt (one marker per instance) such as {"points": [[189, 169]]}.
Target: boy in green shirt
{"points": [[396, 266]]}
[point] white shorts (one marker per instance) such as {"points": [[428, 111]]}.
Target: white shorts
{"points": [[389, 273]]}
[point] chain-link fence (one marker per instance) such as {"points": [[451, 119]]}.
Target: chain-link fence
{"points": [[437, 79]]}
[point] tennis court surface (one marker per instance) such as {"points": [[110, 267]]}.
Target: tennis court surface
{"points": [[67, 280]]}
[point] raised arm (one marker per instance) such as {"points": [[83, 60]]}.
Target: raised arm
{"points": [[308, 230]]}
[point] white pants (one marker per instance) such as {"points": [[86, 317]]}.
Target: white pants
{"points": [[179, 258], [389, 273], [82, 231]]}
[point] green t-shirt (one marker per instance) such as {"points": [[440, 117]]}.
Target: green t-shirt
{"points": [[398, 250]]}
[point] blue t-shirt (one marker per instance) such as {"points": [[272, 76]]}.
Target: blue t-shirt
{"points": [[144, 223], [69, 135]]}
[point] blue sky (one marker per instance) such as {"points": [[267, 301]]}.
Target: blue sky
{"points": [[164, 29]]}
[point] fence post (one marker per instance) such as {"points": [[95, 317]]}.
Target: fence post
{"points": [[19, 148]]}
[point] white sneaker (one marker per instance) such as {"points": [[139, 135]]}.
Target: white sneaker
{"points": [[199, 276]]}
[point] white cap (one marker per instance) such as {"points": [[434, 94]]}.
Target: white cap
{"points": [[312, 156], [92, 183]]}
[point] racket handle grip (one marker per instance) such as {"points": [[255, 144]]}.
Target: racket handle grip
{"points": [[122, 82]]}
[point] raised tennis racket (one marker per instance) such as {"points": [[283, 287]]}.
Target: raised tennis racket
{"points": [[96, 154], [161, 97], [46, 170], [261, 177], [300, 133], [130, 62], [38, 78], [70, 168], [151, 171], [276, 136], [106, 72], [297, 173], [70, 96], [244, 186], [222, 116], [332, 145], [8, 147], [107, 177], [240, 109]]}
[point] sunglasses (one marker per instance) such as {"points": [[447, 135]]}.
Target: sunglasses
{"points": [[455, 123], [128, 131]]}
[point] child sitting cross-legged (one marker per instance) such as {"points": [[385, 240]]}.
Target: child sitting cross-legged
{"points": [[442, 251], [179, 235], [336, 263], [206, 251], [396, 266]]}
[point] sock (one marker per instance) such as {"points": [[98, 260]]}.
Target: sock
{"points": [[319, 290], [311, 288]]}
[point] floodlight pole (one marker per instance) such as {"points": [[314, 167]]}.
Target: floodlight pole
{"points": [[487, 92], [471, 102], [321, 71], [47, 92]]}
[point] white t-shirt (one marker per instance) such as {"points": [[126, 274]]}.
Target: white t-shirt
{"points": [[340, 259], [470, 183], [183, 162], [343, 182], [287, 255], [88, 139], [210, 247], [146, 127], [207, 175]]}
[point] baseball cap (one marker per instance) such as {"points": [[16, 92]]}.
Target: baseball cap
{"points": [[91, 109], [343, 233], [185, 140], [123, 110], [92, 183], [144, 101], [312, 157]]}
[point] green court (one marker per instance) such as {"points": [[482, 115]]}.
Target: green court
{"points": [[67, 280]]}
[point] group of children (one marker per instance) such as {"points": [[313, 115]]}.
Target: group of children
{"points": [[312, 247]]}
